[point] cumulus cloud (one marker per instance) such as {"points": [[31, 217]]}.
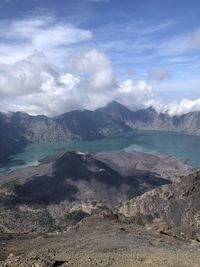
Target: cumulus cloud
{"points": [[44, 32], [133, 95], [25, 76], [36, 86], [97, 66], [174, 108], [158, 74], [183, 107]]}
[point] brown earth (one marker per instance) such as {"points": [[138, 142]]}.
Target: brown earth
{"points": [[99, 242]]}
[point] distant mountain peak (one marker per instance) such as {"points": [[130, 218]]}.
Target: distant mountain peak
{"points": [[115, 107], [151, 109], [88, 125], [115, 103]]}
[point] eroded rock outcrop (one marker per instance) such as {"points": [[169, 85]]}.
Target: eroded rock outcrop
{"points": [[173, 207]]}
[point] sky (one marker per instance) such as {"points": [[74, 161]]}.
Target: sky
{"points": [[57, 56]]}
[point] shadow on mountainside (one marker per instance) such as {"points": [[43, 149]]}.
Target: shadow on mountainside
{"points": [[43, 190], [54, 187]]}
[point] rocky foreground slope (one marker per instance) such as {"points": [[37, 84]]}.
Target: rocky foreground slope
{"points": [[19, 129], [174, 208], [74, 211], [99, 242]]}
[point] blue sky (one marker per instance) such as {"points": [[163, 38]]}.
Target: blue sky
{"points": [[152, 46]]}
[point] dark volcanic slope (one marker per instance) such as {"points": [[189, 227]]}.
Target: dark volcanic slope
{"points": [[74, 185], [175, 206], [87, 125], [11, 140]]}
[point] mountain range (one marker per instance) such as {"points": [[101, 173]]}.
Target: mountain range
{"points": [[19, 129], [135, 197]]}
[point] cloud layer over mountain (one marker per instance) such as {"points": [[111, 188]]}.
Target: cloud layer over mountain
{"points": [[34, 85], [51, 64]]}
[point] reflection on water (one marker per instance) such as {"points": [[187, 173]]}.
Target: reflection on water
{"points": [[32, 154], [184, 146]]}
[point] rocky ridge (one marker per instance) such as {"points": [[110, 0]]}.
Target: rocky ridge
{"points": [[21, 128], [174, 208]]}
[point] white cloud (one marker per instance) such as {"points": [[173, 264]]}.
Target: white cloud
{"points": [[183, 107], [175, 108], [20, 38], [25, 76], [133, 95], [45, 32], [97, 66], [91, 61], [35, 86]]}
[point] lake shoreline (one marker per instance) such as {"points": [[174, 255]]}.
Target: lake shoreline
{"points": [[182, 146]]}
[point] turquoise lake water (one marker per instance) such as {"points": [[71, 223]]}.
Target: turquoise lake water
{"points": [[183, 146]]}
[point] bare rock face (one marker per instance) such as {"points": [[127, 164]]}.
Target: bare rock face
{"points": [[11, 139], [170, 207], [20, 128]]}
